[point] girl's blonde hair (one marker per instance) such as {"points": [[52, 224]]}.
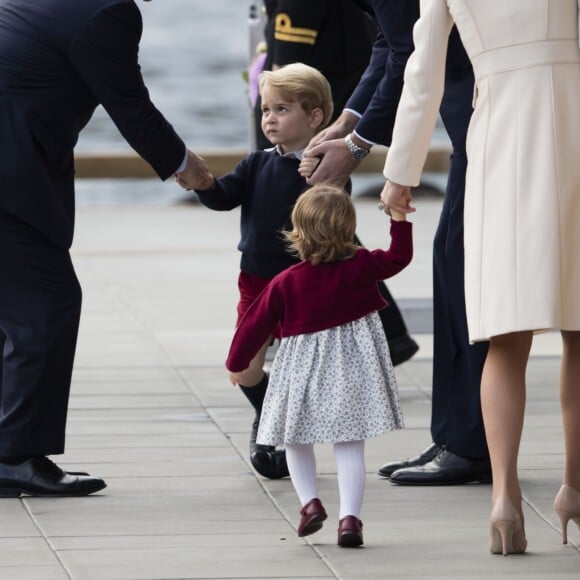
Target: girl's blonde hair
{"points": [[323, 225], [298, 82]]}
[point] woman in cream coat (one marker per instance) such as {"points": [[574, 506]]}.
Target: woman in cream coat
{"points": [[522, 211]]}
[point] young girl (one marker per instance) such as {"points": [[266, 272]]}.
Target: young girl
{"points": [[332, 379]]}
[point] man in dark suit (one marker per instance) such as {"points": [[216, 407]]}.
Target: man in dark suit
{"points": [[58, 61], [458, 453]]}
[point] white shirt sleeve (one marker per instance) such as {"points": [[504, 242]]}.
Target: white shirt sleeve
{"points": [[183, 164]]}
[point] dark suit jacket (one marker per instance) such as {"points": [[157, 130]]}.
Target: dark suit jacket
{"points": [[59, 59], [378, 93]]}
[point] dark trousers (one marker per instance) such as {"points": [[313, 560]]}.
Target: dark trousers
{"points": [[456, 411], [40, 303]]}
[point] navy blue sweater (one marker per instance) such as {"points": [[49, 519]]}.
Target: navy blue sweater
{"points": [[266, 185]]}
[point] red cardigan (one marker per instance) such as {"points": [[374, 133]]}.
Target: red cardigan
{"points": [[306, 298]]}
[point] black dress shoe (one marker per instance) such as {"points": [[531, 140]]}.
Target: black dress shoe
{"points": [[426, 456], [270, 464], [265, 459], [256, 447], [402, 348], [39, 476], [446, 469]]}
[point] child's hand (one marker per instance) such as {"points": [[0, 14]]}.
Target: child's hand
{"points": [[234, 379], [308, 165], [397, 216]]}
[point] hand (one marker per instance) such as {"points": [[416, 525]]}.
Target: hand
{"points": [[397, 198], [196, 174], [234, 379], [308, 165], [335, 166], [340, 128], [329, 134]]}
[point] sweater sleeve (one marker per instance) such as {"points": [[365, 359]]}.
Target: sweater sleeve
{"points": [[255, 328], [228, 191], [389, 262]]}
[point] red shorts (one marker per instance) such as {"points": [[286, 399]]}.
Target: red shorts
{"points": [[250, 287]]}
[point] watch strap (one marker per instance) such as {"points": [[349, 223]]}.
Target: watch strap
{"points": [[358, 153]]}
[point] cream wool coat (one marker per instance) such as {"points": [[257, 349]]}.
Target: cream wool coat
{"points": [[522, 199]]}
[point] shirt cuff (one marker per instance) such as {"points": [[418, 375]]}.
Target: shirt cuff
{"points": [[355, 113], [183, 164], [364, 139]]}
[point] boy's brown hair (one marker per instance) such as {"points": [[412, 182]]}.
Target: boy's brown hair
{"points": [[298, 82]]}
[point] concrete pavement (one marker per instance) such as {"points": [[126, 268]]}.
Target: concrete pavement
{"points": [[152, 412]]}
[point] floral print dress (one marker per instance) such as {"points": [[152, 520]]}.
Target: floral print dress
{"points": [[332, 386]]}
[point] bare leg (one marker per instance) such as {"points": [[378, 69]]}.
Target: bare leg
{"points": [[503, 399], [570, 403]]}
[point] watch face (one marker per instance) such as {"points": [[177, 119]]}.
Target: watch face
{"points": [[358, 153]]}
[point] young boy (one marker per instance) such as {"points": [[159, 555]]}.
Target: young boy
{"points": [[296, 104]]}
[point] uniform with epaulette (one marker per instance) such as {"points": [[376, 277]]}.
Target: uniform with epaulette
{"points": [[334, 36]]}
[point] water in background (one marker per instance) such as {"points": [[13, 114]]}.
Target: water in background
{"points": [[192, 56]]}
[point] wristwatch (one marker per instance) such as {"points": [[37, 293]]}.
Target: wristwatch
{"points": [[358, 153]]}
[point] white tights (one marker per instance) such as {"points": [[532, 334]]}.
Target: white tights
{"points": [[350, 466]]}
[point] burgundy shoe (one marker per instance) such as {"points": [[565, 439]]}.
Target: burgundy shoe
{"points": [[311, 517], [350, 532]]}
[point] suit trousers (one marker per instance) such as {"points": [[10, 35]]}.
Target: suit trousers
{"points": [[456, 419], [40, 304]]}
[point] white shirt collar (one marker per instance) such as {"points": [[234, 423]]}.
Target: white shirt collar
{"points": [[292, 154]]}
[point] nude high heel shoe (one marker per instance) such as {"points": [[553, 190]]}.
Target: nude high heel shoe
{"points": [[507, 534], [567, 506]]}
